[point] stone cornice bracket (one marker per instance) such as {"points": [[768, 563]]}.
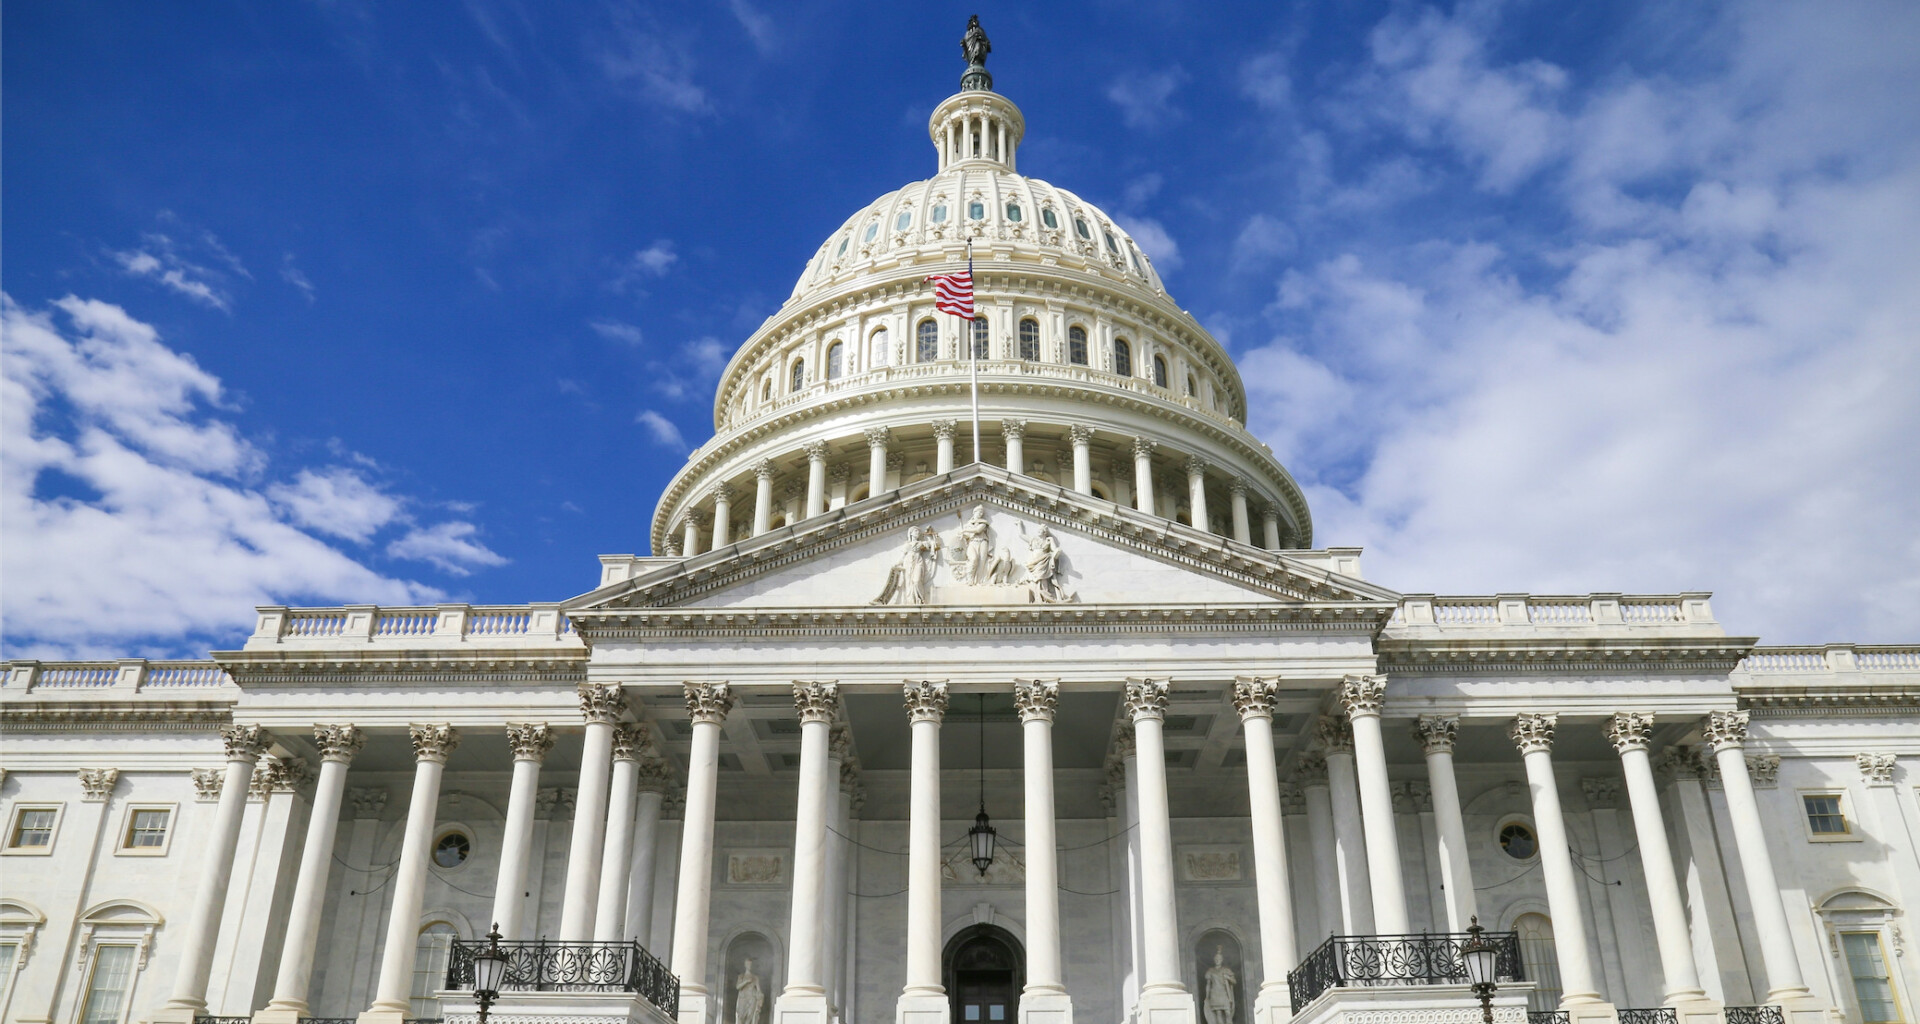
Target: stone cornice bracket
{"points": [[1725, 730], [1877, 769], [817, 450], [708, 702], [1363, 695], [765, 470], [1080, 433], [530, 741], [1036, 699], [602, 703], [1144, 446], [1436, 733], [1146, 698], [246, 742], [629, 741], [944, 429], [1013, 430], [1629, 730], [1333, 733], [433, 742], [816, 701], [367, 801], [1311, 769], [876, 437], [207, 783], [338, 743], [96, 784], [1253, 697], [1602, 793], [1533, 732], [926, 700]]}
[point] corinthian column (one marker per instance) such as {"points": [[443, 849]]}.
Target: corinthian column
{"points": [[1242, 526], [1362, 696], [876, 461], [431, 745], [1143, 475], [1164, 998], [1253, 698], [817, 477], [1435, 734], [1533, 734], [1310, 770], [616, 857], [707, 705], [1270, 525], [245, 744], [1629, 732], [1726, 733], [763, 473], [1081, 437], [1044, 1000], [601, 705], [530, 744], [924, 1000], [1349, 834], [722, 516], [1014, 434], [943, 435], [805, 997], [338, 744]]}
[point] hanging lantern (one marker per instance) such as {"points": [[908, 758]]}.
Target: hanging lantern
{"points": [[982, 837]]}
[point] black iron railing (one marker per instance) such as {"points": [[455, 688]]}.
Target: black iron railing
{"points": [[1651, 1015], [1756, 1015], [1549, 1017], [328, 1020], [1427, 959], [210, 1019], [544, 965]]}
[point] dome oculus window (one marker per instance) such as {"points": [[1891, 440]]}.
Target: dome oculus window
{"points": [[1077, 345], [977, 211], [452, 849], [939, 214], [1013, 212], [1517, 841], [904, 221], [1047, 217], [1030, 339], [1080, 225], [927, 345]]}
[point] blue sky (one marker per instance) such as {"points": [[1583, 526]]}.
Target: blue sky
{"points": [[342, 302]]}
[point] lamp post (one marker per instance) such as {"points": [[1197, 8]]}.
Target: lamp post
{"points": [[489, 971], [982, 834], [1482, 957]]}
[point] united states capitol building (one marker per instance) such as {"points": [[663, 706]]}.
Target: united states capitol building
{"points": [[1083, 724]]}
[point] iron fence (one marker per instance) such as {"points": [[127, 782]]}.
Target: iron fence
{"points": [[543, 965], [1756, 1015], [1427, 959], [1651, 1015], [1549, 1017], [210, 1019]]}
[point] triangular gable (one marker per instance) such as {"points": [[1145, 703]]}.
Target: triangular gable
{"points": [[1110, 554]]}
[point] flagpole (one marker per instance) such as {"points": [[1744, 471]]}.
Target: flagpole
{"points": [[973, 358]]}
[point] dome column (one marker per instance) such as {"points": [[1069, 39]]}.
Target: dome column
{"points": [[1197, 492], [690, 543], [943, 433], [1242, 529], [763, 472], [876, 461], [1270, 524], [1082, 439], [816, 478], [722, 516], [1014, 434], [1143, 474]]}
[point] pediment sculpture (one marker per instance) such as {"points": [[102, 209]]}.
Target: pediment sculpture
{"points": [[977, 569]]}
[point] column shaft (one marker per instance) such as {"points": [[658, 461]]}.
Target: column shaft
{"points": [[943, 435], [690, 539], [616, 856], [722, 518], [1326, 857], [877, 468], [707, 706], [1136, 926], [816, 478], [1037, 702], [646, 855], [1254, 700], [1383, 845], [1350, 845], [245, 744], [1533, 734], [1436, 733], [1242, 526], [1143, 475], [1082, 439], [1197, 493], [431, 745], [1270, 525], [530, 745], [1146, 700], [337, 744], [806, 931], [1726, 733], [762, 498], [1013, 433], [589, 834], [923, 843]]}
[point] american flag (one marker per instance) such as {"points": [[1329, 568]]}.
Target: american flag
{"points": [[953, 293]]}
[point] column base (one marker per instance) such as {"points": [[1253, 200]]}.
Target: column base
{"points": [[1697, 1011], [1167, 1006], [1428, 1004], [1595, 1012], [922, 1008], [378, 1014], [1806, 1010], [802, 1008], [1046, 1008], [1274, 1005], [696, 1007]]}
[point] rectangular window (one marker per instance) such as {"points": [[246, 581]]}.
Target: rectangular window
{"points": [[9, 955], [33, 828], [1824, 816], [107, 985], [147, 828], [1872, 987]]}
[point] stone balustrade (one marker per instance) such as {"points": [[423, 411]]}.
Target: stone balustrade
{"points": [[436, 626], [115, 678], [1830, 659], [1564, 613]]}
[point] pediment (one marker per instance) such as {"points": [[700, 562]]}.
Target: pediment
{"points": [[977, 538]]}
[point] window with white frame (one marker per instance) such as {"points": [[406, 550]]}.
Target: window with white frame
{"points": [[33, 828], [148, 830], [109, 977]]}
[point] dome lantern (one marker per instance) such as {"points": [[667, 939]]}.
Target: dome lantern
{"points": [[976, 125]]}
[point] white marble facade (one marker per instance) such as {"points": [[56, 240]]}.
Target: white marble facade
{"points": [[757, 754]]}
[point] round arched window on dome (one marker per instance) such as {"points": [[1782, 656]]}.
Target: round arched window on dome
{"points": [[842, 251], [799, 375], [836, 360], [939, 214], [1159, 371], [879, 352], [1077, 345], [873, 230], [766, 390], [1122, 357], [1112, 246], [1079, 224], [904, 221], [1013, 212], [1029, 338], [1047, 217], [980, 337], [977, 211], [927, 343]]}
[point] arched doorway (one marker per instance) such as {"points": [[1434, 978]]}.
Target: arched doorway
{"points": [[985, 970]]}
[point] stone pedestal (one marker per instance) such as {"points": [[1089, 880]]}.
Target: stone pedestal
{"points": [[1272, 1005], [1046, 1008], [922, 1009], [695, 1007], [802, 1008], [1697, 1011], [1427, 1004], [1167, 1006]]}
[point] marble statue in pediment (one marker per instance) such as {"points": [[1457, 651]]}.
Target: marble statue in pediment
{"points": [[910, 579], [1043, 569], [973, 560]]}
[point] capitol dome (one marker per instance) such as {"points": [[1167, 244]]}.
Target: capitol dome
{"points": [[1089, 375]]}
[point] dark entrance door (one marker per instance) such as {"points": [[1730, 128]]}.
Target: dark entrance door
{"points": [[984, 968]]}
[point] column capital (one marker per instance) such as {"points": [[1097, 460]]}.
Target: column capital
{"points": [[1533, 732], [1036, 699], [1146, 698], [1688, 762], [246, 742], [1630, 730], [816, 701], [96, 784], [1196, 466], [1602, 793], [338, 743], [629, 741], [1725, 730], [1123, 746], [765, 469], [1238, 486], [207, 783], [672, 546], [367, 801], [654, 776], [433, 742], [926, 700], [816, 450], [694, 517], [1877, 769], [1270, 511], [530, 741], [943, 429], [708, 702], [896, 461], [1079, 434], [1013, 430], [602, 703], [1143, 447], [1253, 697], [1436, 733], [1764, 770], [1311, 769], [840, 743], [1333, 733], [1363, 695], [1412, 796], [840, 474], [720, 492], [279, 775], [876, 437]]}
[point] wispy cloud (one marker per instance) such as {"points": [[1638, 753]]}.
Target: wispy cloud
{"points": [[291, 274], [1267, 80], [662, 430], [654, 261], [336, 501], [451, 547], [616, 330], [760, 28], [653, 68], [1146, 99], [1153, 240]]}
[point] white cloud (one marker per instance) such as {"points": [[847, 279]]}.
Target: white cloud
{"points": [[1267, 80], [1261, 239], [706, 355], [655, 69], [759, 27], [1154, 241], [615, 330], [293, 276], [1146, 99], [336, 501], [655, 260], [663, 430], [157, 262], [133, 523], [451, 547]]}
